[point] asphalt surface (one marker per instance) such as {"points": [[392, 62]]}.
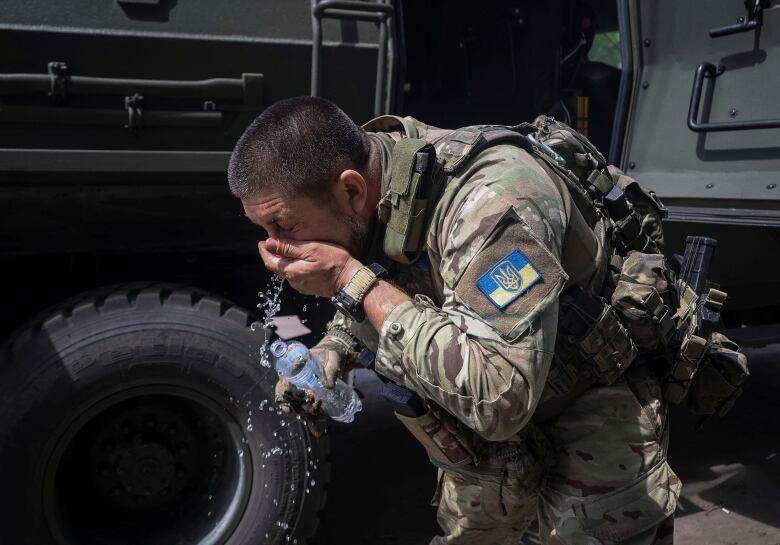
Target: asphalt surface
{"points": [[381, 482]]}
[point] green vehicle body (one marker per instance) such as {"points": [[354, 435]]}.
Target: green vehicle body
{"points": [[117, 118]]}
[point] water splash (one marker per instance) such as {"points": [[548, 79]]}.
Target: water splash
{"points": [[270, 304]]}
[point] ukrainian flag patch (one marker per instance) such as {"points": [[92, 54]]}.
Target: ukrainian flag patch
{"points": [[508, 279]]}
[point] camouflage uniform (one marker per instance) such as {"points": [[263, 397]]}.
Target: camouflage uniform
{"points": [[594, 473]]}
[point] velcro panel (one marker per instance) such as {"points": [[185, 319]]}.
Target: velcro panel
{"points": [[511, 279]]}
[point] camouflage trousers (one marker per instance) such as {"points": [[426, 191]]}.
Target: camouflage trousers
{"points": [[603, 479]]}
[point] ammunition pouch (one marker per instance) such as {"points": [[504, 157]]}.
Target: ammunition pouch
{"points": [[646, 206], [718, 380], [686, 364], [707, 373], [643, 299], [593, 326], [445, 443]]}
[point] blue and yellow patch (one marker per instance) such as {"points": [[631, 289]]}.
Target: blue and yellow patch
{"points": [[508, 279]]}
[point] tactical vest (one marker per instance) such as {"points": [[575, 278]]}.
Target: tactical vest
{"points": [[621, 303]]}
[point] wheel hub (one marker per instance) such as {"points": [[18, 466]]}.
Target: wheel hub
{"points": [[145, 469]]}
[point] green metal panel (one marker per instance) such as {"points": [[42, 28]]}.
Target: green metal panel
{"points": [[694, 172], [113, 44]]}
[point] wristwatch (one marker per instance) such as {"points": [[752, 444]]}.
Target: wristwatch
{"points": [[350, 299]]}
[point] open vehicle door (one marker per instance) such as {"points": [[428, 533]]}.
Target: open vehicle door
{"points": [[702, 128]]}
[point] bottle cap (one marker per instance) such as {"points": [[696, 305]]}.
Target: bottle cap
{"points": [[278, 348]]}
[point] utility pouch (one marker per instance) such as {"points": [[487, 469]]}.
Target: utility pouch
{"points": [[405, 205], [594, 328], [685, 366], [445, 444], [643, 299], [646, 204], [717, 383], [609, 345]]}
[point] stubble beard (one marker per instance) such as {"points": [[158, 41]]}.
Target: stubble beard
{"points": [[358, 234]]}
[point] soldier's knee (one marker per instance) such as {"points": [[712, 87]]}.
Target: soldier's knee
{"points": [[475, 511], [637, 513]]}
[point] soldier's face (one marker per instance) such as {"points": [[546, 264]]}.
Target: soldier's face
{"points": [[304, 218]]}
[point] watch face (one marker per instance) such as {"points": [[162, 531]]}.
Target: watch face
{"points": [[347, 305]]}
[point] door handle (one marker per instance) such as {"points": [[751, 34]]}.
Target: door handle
{"points": [[709, 70]]}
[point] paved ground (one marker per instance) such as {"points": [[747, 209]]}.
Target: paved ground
{"points": [[381, 482]]}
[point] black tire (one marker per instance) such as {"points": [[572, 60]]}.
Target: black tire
{"points": [[141, 415]]}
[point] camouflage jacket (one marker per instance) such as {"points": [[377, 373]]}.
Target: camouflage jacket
{"points": [[479, 335]]}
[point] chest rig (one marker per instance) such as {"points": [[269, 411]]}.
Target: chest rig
{"points": [[622, 301], [606, 223]]}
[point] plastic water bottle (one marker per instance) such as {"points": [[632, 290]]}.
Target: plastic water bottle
{"points": [[295, 363]]}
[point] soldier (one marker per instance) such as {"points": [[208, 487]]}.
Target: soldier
{"points": [[472, 317]]}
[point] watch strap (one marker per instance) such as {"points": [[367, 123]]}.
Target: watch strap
{"points": [[360, 283]]}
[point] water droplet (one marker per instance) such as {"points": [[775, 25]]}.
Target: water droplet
{"points": [[312, 483], [249, 427], [208, 514], [240, 453]]}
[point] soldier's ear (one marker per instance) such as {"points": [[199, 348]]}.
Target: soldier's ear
{"points": [[352, 191]]}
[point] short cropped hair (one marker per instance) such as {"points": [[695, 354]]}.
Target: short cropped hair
{"points": [[297, 146]]}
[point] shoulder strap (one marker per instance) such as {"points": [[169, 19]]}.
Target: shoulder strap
{"points": [[391, 123], [462, 145]]}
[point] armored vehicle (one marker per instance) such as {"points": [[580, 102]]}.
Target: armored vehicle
{"points": [[133, 408]]}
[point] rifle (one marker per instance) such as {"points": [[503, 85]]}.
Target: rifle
{"points": [[693, 271]]}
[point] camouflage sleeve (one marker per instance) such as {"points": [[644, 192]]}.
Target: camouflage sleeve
{"points": [[484, 354]]}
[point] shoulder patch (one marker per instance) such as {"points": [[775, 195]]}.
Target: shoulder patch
{"points": [[509, 278], [512, 278]]}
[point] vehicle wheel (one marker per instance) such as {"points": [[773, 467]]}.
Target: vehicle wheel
{"points": [[140, 415]]}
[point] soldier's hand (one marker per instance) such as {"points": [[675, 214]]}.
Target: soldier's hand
{"points": [[333, 359], [305, 403], [310, 267], [331, 362]]}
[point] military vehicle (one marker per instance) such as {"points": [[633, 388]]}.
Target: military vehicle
{"points": [[132, 405]]}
